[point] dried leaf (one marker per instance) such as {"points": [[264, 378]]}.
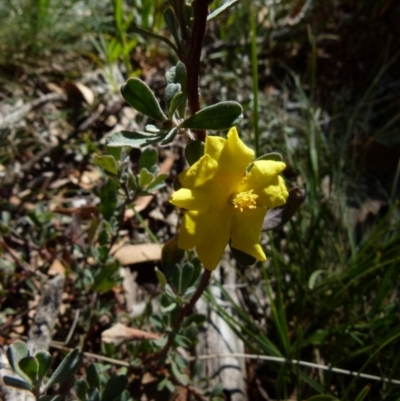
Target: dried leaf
{"points": [[119, 333], [131, 254]]}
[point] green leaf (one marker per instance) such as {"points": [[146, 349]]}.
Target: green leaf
{"points": [[182, 341], [30, 366], [148, 158], [170, 20], [363, 393], [171, 253], [323, 397], [277, 217], [44, 360], [107, 162], [170, 136], [114, 388], [93, 395], [145, 178], [277, 157], [166, 383], [161, 278], [141, 98], [17, 383], [177, 75], [157, 183], [133, 139], [81, 388], [170, 91], [66, 368], [108, 199], [172, 306], [219, 116], [176, 102], [181, 377], [219, 10], [242, 258], [194, 151], [15, 352], [186, 276], [92, 376], [313, 278]]}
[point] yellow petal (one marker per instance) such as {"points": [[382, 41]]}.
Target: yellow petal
{"points": [[264, 180], [214, 145], [200, 173], [235, 157], [208, 232], [246, 232], [187, 235], [191, 199]]}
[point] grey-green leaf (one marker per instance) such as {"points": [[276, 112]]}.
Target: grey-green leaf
{"points": [[66, 368], [44, 360], [181, 377], [177, 101], [17, 383], [15, 352], [219, 10], [114, 388], [133, 139], [274, 156], [30, 366], [170, 136], [107, 162], [93, 395], [140, 97], [148, 158], [170, 91], [219, 116]]}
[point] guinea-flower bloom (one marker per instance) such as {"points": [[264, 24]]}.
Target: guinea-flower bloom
{"points": [[223, 202]]}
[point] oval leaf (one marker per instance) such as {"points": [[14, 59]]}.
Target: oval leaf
{"points": [[141, 98], [66, 368], [15, 352], [132, 139], [92, 376], [114, 388], [193, 151], [170, 91], [107, 162], [44, 360], [30, 366], [17, 383], [216, 117]]}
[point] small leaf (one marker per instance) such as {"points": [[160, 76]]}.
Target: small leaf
{"points": [[219, 116], [114, 388], [170, 136], [107, 162], [17, 383], [108, 199], [81, 388], [15, 352], [161, 278], [157, 183], [145, 178], [242, 258], [66, 368], [44, 360], [363, 393], [165, 383], [148, 158], [171, 253], [279, 216], [133, 139], [194, 151], [152, 129], [93, 395], [313, 278], [177, 75], [30, 366], [92, 376], [170, 20], [219, 10], [172, 306], [178, 99], [115, 152], [170, 91], [141, 98], [181, 377], [186, 277]]}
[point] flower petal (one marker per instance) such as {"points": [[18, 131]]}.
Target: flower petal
{"points": [[200, 173], [214, 146], [235, 157], [264, 180], [208, 232], [191, 199], [246, 232]]}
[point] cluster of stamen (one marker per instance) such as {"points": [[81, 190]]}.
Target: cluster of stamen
{"points": [[245, 200]]}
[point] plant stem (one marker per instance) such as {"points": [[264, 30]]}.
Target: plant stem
{"points": [[205, 278], [200, 13]]}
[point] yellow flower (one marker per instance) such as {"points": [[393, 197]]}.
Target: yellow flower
{"points": [[224, 202]]}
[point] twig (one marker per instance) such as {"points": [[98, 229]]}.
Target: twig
{"points": [[200, 13], [205, 278]]}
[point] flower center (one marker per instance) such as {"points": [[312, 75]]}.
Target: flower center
{"points": [[244, 200]]}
